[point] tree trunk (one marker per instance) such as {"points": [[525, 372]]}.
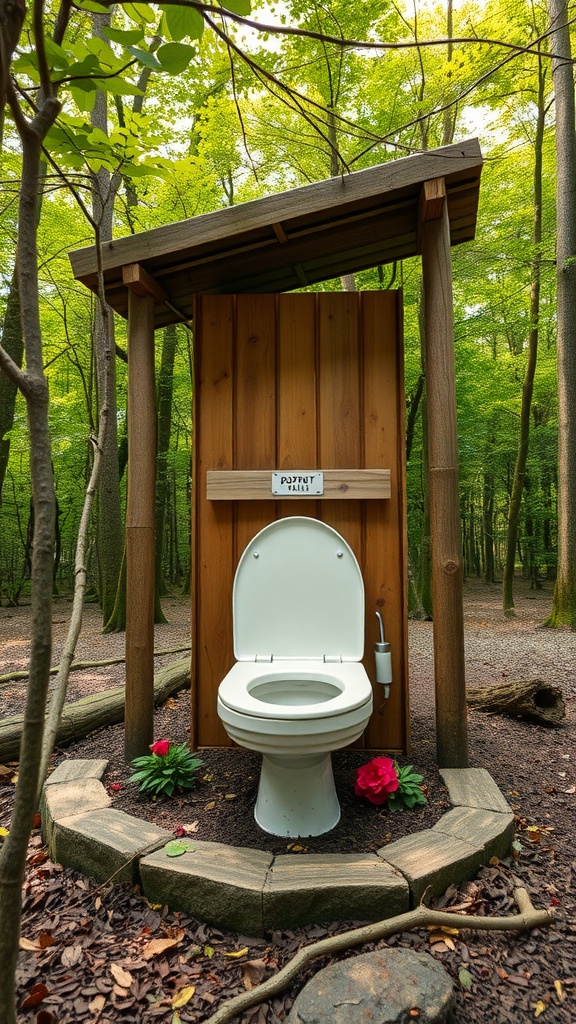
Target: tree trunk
{"points": [[110, 537], [564, 605], [34, 386], [528, 385], [13, 344], [532, 699]]}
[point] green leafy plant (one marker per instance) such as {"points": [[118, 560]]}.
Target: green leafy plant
{"points": [[167, 768], [410, 792]]}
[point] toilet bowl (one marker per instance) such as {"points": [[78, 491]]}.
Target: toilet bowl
{"points": [[298, 689]]}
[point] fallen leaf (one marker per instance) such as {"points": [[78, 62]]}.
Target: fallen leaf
{"points": [[36, 994], [42, 941], [116, 787], [465, 979], [230, 796], [157, 946], [45, 1017], [209, 952], [210, 806], [177, 847], [97, 1004], [183, 996], [122, 977], [559, 990], [237, 953], [253, 973], [71, 955], [539, 1008], [4, 832], [570, 790]]}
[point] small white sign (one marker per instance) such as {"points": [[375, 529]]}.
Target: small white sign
{"points": [[297, 482]]}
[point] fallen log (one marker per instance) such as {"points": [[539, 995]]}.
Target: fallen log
{"points": [[421, 917], [78, 666], [533, 699], [96, 711]]}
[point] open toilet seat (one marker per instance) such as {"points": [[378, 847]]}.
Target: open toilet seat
{"points": [[287, 688]]}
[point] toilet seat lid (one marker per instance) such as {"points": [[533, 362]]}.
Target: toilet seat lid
{"points": [[298, 593]]}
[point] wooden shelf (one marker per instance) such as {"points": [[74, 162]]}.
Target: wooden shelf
{"points": [[256, 485]]}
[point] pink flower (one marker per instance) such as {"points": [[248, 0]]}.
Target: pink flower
{"points": [[376, 780], [161, 747]]}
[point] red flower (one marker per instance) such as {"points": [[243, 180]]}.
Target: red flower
{"points": [[116, 787], [376, 780], [161, 747]]}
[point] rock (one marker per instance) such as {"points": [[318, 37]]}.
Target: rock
{"points": [[377, 988]]}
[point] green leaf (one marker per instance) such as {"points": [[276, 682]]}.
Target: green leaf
{"points": [[140, 12], [183, 22], [465, 979], [84, 100], [175, 57], [93, 7], [237, 6], [127, 37], [177, 847], [146, 58]]}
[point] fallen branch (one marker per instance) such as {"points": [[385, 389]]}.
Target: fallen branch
{"points": [[78, 666], [533, 699], [96, 711], [528, 917]]}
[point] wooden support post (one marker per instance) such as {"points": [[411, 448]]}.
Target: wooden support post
{"points": [[139, 716], [446, 542]]}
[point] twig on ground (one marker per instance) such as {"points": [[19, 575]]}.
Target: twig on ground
{"points": [[528, 917]]}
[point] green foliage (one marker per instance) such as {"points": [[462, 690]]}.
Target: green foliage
{"points": [[162, 775], [409, 792]]}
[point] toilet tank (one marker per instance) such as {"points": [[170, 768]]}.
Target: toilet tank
{"points": [[298, 593]]}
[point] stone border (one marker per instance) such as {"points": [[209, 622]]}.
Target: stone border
{"points": [[252, 891]]}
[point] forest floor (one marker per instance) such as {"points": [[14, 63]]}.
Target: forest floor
{"points": [[85, 942]]}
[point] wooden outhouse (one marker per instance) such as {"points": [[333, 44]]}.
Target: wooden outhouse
{"points": [[299, 382]]}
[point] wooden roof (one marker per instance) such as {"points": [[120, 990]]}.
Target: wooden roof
{"points": [[294, 238]]}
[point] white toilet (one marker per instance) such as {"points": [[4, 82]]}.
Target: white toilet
{"points": [[298, 689]]}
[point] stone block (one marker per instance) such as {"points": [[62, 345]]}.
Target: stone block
{"points": [[474, 787], [105, 844], [74, 769], [219, 884], [383, 987], [69, 799], [476, 826], [317, 888], [430, 861]]}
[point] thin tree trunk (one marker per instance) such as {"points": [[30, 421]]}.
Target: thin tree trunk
{"points": [[528, 385], [13, 344], [34, 386], [564, 604], [110, 535]]}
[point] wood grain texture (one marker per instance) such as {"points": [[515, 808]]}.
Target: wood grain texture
{"points": [[256, 485], [213, 561], [295, 205], [140, 518], [446, 541]]}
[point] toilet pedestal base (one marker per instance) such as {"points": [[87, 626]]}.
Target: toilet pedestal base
{"points": [[297, 797]]}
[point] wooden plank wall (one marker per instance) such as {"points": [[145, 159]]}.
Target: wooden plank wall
{"points": [[298, 382]]}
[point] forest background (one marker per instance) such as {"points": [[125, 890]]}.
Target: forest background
{"points": [[167, 115]]}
